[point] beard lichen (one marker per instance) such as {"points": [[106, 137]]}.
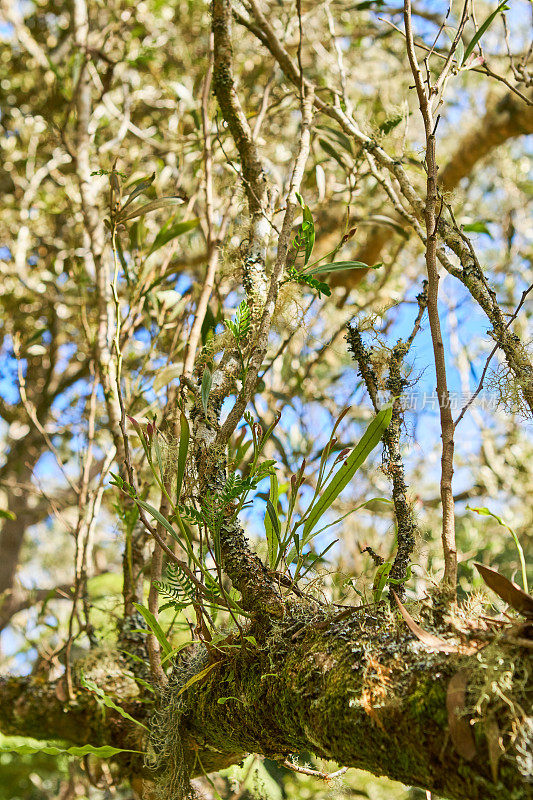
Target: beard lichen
{"points": [[499, 693], [166, 756]]}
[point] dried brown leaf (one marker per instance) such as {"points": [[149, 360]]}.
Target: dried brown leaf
{"points": [[494, 745], [460, 730], [512, 594], [429, 639]]}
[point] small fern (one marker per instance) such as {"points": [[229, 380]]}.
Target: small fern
{"points": [[190, 514], [241, 327], [235, 486], [178, 588]]}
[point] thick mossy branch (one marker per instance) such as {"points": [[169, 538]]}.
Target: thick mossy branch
{"points": [[361, 692]]}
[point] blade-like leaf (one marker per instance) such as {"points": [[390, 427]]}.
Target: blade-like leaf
{"points": [[182, 453], [106, 751], [481, 30], [155, 627], [272, 526], [5, 514], [319, 557], [107, 701], [163, 202], [207, 381], [487, 513], [380, 580], [512, 594], [310, 240], [159, 517], [330, 150], [198, 677], [342, 478], [338, 266], [339, 136], [138, 189], [477, 227], [167, 233]]}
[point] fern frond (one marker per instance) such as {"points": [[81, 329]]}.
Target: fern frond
{"points": [[243, 320], [178, 588]]}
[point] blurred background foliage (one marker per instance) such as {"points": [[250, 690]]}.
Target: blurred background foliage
{"points": [[147, 61]]}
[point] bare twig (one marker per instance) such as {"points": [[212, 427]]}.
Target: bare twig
{"points": [[426, 96]]}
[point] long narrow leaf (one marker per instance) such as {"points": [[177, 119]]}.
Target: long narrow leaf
{"points": [[481, 30], [106, 751], [198, 677], [159, 517], [182, 453], [318, 558], [338, 266], [155, 627], [167, 233], [108, 702], [272, 524], [207, 381], [175, 652], [342, 478], [310, 240], [163, 202], [138, 189]]}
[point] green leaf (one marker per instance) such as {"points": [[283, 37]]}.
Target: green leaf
{"points": [[485, 512], [198, 677], [330, 150], [107, 701], [344, 475], [380, 580], [159, 517], [207, 382], [341, 137], [169, 232], [390, 123], [319, 557], [175, 652], [5, 514], [208, 325], [182, 453], [338, 266], [477, 227], [155, 627], [272, 525], [163, 202], [139, 187], [106, 751], [309, 233], [222, 700], [481, 30]]}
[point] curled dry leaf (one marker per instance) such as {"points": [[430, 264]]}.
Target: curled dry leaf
{"points": [[512, 594], [460, 730], [429, 639]]}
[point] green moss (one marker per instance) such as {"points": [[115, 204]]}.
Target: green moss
{"points": [[428, 702]]}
